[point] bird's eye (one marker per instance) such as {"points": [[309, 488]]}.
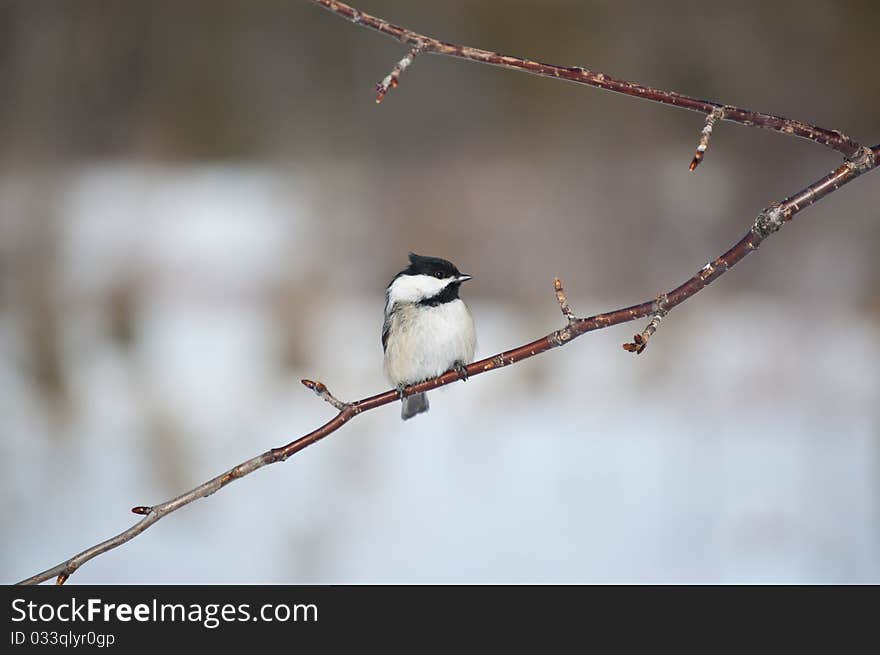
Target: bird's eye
{"points": [[438, 274]]}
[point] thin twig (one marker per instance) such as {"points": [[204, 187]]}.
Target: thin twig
{"points": [[705, 136], [322, 391], [563, 301], [830, 138], [640, 341], [393, 78]]}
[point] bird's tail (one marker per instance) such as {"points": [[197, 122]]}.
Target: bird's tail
{"points": [[415, 404]]}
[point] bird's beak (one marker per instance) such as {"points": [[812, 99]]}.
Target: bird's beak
{"points": [[463, 278]]}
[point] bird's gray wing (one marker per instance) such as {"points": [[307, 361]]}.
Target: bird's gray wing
{"points": [[386, 329]]}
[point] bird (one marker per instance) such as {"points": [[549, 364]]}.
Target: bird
{"points": [[428, 330]]}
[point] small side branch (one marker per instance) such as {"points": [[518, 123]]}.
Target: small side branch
{"points": [[705, 136], [392, 80], [640, 341], [322, 391], [563, 301]]}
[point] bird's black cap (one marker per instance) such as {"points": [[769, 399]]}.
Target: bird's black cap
{"points": [[433, 266]]}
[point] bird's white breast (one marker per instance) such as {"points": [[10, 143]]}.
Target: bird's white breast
{"points": [[426, 341]]}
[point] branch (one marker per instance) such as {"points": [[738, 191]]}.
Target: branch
{"points": [[768, 221], [660, 310], [833, 139], [393, 78], [322, 391], [705, 136], [562, 299]]}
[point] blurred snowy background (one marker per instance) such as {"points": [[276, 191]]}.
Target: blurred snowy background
{"points": [[201, 204]]}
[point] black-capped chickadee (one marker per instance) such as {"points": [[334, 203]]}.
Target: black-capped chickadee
{"points": [[428, 329]]}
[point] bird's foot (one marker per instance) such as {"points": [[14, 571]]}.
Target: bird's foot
{"points": [[461, 369]]}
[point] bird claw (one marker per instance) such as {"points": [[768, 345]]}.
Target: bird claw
{"points": [[461, 369]]}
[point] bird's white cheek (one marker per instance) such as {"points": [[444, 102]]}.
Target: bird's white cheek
{"points": [[412, 288]]}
